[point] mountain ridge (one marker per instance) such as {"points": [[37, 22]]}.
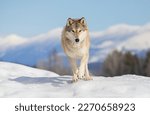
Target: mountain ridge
{"points": [[118, 37]]}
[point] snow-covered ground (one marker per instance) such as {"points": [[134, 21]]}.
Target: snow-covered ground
{"points": [[22, 81]]}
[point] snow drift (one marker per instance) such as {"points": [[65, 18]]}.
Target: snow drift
{"points": [[22, 81]]}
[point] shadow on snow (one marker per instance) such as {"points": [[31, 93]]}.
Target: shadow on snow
{"points": [[55, 81]]}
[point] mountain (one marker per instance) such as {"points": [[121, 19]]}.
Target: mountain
{"points": [[34, 49], [29, 51], [121, 37], [22, 81]]}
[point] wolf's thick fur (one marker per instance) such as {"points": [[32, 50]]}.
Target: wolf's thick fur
{"points": [[76, 44]]}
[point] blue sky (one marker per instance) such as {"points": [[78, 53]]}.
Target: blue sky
{"points": [[32, 17]]}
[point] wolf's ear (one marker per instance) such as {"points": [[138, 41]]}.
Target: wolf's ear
{"points": [[69, 21], [82, 21]]}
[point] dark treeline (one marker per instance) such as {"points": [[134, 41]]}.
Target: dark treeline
{"points": [[54, 63], [118, 63]]}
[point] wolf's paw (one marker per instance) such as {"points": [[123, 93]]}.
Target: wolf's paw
{"points": [[81, 75], [74, 79], [88, 78]]}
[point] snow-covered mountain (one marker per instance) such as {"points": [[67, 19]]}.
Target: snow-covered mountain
{"points": [[22, 81], [29, 51], [120, 37]]}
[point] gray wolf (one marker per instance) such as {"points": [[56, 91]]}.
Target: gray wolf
{"points": [[76, 43]]}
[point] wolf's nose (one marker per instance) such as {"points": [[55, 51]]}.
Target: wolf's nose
{"points": [[77, 40]]}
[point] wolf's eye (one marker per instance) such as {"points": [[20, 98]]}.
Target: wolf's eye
{"points": [[72, 30], [80, 30]]}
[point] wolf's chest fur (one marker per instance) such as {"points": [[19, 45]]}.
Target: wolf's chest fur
{"points": [[76, 51]]}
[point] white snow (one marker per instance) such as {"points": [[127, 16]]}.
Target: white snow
{"points": [[22, 81]]}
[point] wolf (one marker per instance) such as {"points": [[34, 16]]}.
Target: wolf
{"points": [[76, 43]]}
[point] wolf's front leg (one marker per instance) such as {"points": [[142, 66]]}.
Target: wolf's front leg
{"points": [[87, 75], [74, 69], [85, 68], [81, 73]]}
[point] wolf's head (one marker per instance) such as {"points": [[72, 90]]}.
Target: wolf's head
{"points": [[76, 30]]}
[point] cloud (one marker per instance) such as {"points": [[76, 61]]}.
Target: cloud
{"points": [[11, 41], [96, 34], [120, 29], [52, 34]]}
